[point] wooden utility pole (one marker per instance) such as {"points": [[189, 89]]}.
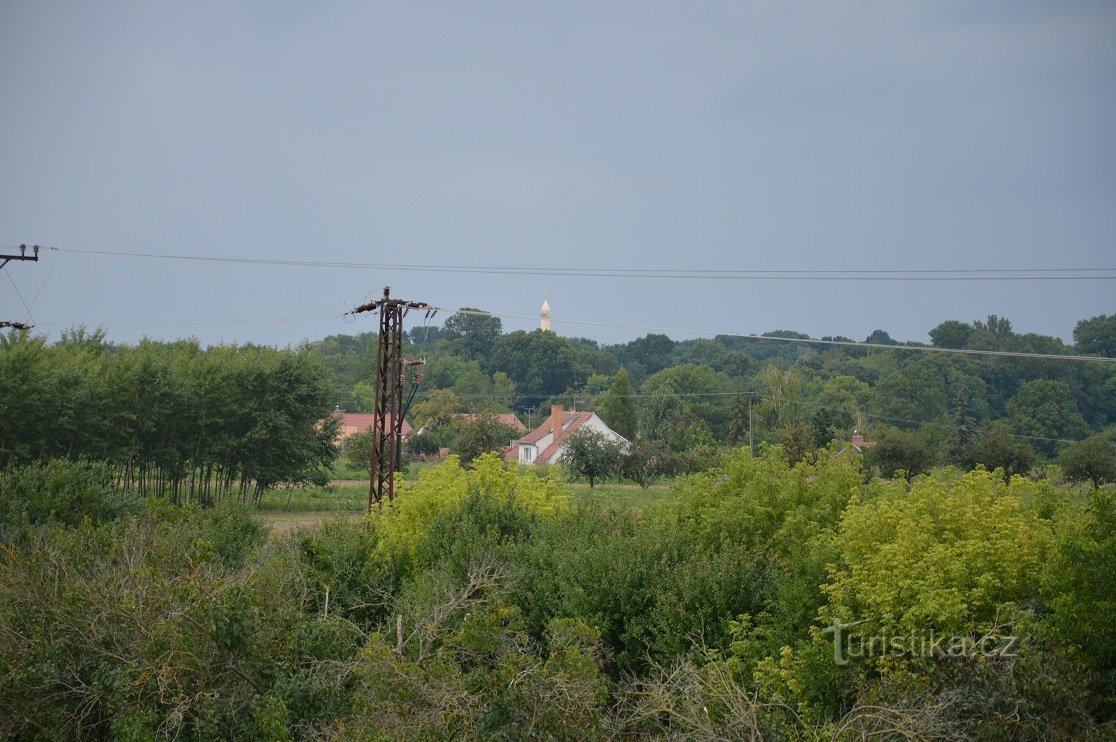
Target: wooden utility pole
{"points": [[34, 256], [22, 255], [388, 406]]}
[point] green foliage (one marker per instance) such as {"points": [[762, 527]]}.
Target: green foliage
{"points": [[403, 525], [1081, 590], [997, 449], [618, 408], [1046, 409], [1096, 336], [168, 417], [538, 362], [482, 434], [357, 453], [644, 462], [59, 492], [943, 556], [592, 454], [1092, 460], [476, 331], [951, 334], [679, 403], [904, 453]]}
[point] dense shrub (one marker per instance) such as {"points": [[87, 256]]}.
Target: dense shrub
{"points": [[59, 492]]}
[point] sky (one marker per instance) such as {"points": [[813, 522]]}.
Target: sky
{"points": [[592, 137]]}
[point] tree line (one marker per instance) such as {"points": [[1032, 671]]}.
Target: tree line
{"points": [[198, 425], [680, 396]]}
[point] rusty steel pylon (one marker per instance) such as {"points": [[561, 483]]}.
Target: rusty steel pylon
{"points": [[388, 406]]}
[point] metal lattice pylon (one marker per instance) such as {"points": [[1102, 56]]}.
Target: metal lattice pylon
{"points": [[387, 404]]}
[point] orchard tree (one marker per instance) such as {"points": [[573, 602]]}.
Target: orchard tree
{"points": [[592, 454], [646, 461]]}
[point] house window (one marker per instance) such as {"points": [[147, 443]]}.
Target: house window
{"points": [[528, 454]]}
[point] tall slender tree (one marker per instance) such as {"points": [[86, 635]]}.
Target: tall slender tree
{"points": [[618, 407]]}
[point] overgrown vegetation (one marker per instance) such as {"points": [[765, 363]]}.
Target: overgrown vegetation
{"points": [[486, 602], [951, 582]]}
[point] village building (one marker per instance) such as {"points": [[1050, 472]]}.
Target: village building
{"points": [[546, 443], [361, 422]]}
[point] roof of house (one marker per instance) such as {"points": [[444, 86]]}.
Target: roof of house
{"points": [[504, 418], [359, 422], [571, 423]]}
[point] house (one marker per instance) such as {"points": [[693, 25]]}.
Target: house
{"points": [[858, 445], [546, 443], [507, 419], [361, 422]]}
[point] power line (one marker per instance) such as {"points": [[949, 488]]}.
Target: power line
{"points": [[808, 341], [914, 274]]}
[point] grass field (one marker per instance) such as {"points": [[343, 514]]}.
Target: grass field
{"points": [[297, 508]]}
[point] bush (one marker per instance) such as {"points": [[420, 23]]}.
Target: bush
{"points": [[61, 492]]}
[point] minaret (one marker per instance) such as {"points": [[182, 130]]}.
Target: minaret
{"points": [[544, 316]]}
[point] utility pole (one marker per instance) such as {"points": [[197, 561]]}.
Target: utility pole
{"points": [[22, 256], [751, 398], [388, 406]]}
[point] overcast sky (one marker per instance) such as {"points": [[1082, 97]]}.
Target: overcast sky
{"points": [[716, 136]]}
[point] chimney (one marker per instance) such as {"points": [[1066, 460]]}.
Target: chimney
{"points": [[858, 440], [555, 418]]}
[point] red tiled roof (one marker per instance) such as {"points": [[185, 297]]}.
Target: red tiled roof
{"points": [[572, 423], [504, 418], [359, 422]]}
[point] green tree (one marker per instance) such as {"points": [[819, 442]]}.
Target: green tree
{"points": [[357, 453], [1096, 336], [998, 449], [644, 462], [435, 410], [782, 396], [651, 353], [618, 408], [962, 435], [739, 422], [915, 392], [951, 334], [1046, 409], [482, 434], [880, 337], [684, 402], [591, 454], [538, 362], [475, 330], [1091, 460], [906, 452]]}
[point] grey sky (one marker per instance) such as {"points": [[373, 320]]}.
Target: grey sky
{"points": [[707, 135]]}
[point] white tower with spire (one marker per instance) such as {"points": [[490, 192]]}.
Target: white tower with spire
{"points": [[544, 315]]}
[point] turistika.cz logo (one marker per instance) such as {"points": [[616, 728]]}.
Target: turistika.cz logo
{"points": [[846, 646]]}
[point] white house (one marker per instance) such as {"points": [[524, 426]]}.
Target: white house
{"points": [[546, 443]]}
